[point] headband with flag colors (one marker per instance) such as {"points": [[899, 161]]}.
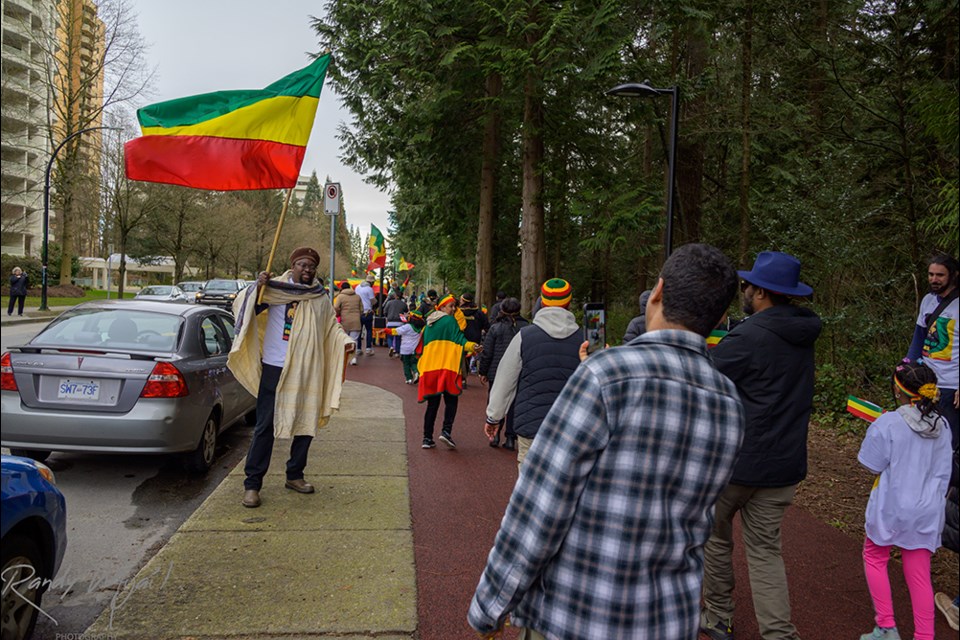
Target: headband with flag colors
{"points": [[556, 292], [377, 249], [445, 300], [230, 140]]}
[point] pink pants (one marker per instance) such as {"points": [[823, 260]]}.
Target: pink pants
{"points": [[916, 571]]}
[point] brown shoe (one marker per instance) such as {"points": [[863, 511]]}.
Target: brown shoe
{"points": [[251, 498], [299, 486]]}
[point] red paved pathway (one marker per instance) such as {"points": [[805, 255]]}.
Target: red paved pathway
{"points": [[458, 497]]}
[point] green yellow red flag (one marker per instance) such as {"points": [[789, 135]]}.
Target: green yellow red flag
{"points": [[377, 249], [863, 409], [715, 337], [403, 265], [230, 140]]}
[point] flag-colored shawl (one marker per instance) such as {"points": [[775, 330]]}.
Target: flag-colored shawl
{"points": [[442, 344]]}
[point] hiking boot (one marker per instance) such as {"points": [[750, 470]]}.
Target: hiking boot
{"points": [[447, 440], [299, 485], [251, 498], [510, 444], [948, 608], [882, 634], [428, 443], [718, 631]]}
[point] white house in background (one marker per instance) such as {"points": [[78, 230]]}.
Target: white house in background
{"points": [[160, 270]]}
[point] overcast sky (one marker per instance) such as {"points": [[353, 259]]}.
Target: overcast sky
{"points": [[200, 46]]}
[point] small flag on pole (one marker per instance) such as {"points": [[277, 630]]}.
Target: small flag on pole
{"points": [[863, 409], [377, 249]]}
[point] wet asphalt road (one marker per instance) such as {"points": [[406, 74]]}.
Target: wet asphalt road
{"points": [[120, 511]]}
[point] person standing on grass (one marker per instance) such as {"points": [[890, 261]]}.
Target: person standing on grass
{"points": [[603, 535], [770, 357], [936, 338], [443, 344], [910, 450], [19, 283]]}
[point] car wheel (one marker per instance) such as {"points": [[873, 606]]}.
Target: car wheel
{"points": [[34, 454], [201, 459], [23, 586]]}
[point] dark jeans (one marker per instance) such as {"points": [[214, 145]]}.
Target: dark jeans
{"points": [[450, 402], [19, 300], [261, 446], [948, 411], [366, 321]]}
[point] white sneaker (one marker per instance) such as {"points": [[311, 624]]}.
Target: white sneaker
{"points": [[353, 361], [369, 352]]}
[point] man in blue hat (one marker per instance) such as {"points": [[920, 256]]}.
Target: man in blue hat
{"points": [[770, 358]]}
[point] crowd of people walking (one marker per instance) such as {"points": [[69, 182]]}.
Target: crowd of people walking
{"points": [[634, 460]]}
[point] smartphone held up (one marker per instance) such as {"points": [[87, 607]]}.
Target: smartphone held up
{"points": [[594, 326]]}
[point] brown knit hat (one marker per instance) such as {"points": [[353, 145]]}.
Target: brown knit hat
{"points": [[305, 252]]}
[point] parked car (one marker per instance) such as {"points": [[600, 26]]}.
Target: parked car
{"points": [[191, 289], [221, 292], [162, 292], [117, 376], [34, 539]]}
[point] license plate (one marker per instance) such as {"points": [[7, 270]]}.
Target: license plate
{"points": [[84, 390]]}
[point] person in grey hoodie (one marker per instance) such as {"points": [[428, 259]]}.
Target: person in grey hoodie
{"points": [[536, 365]]}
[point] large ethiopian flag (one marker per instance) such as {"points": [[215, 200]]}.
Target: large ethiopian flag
{"points": [[230, 140]]}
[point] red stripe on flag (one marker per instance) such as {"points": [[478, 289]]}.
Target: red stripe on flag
{"points": [[221, 164]]}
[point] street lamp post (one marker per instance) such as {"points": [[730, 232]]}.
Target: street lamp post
{"points": [[644, 90], [46, 211]]}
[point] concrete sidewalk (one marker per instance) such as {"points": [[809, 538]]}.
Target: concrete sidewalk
{"points": [[338, 563]]}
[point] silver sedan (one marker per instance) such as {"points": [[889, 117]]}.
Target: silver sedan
{"points": [[124, 376]]}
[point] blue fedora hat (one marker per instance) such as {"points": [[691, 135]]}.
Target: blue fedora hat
{"points": [[778, 273]]}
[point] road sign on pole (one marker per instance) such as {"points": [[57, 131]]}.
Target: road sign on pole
{"points": [[331, 198]]}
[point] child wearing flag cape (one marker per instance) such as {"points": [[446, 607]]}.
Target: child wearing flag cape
{"points": [[911, 452]]}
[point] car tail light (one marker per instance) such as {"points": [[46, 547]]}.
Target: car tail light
{"points": [[7, 381], [165, 381]]}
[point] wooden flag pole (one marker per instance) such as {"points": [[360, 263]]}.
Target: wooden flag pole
{"points": [[276, 239]]}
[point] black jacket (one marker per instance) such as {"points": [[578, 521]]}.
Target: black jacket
{"points": [[547, 365], [18, 286], [495, 344], [770, 357], [476, 323], [951, 528]]}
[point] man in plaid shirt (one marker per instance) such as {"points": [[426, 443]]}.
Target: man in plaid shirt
{"points": [[603, 536]]}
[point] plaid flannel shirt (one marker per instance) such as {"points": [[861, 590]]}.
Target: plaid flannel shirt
{"points": [[603, 536]]}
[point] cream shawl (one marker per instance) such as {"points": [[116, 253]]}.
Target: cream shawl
{"points": [[312, 378]]}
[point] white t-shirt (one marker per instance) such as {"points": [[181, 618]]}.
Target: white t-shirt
{"points": [[906, 506], [277, 336], [940, 349], [365, 291]]}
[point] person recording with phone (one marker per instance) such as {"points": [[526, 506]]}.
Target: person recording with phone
{"points": [[536, 366]]}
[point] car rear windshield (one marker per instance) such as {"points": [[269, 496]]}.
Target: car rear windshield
{"points": [[123, 328], [156, 291], [222, 285]]}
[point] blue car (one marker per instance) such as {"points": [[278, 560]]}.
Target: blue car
{"points": [[34, 524]]}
